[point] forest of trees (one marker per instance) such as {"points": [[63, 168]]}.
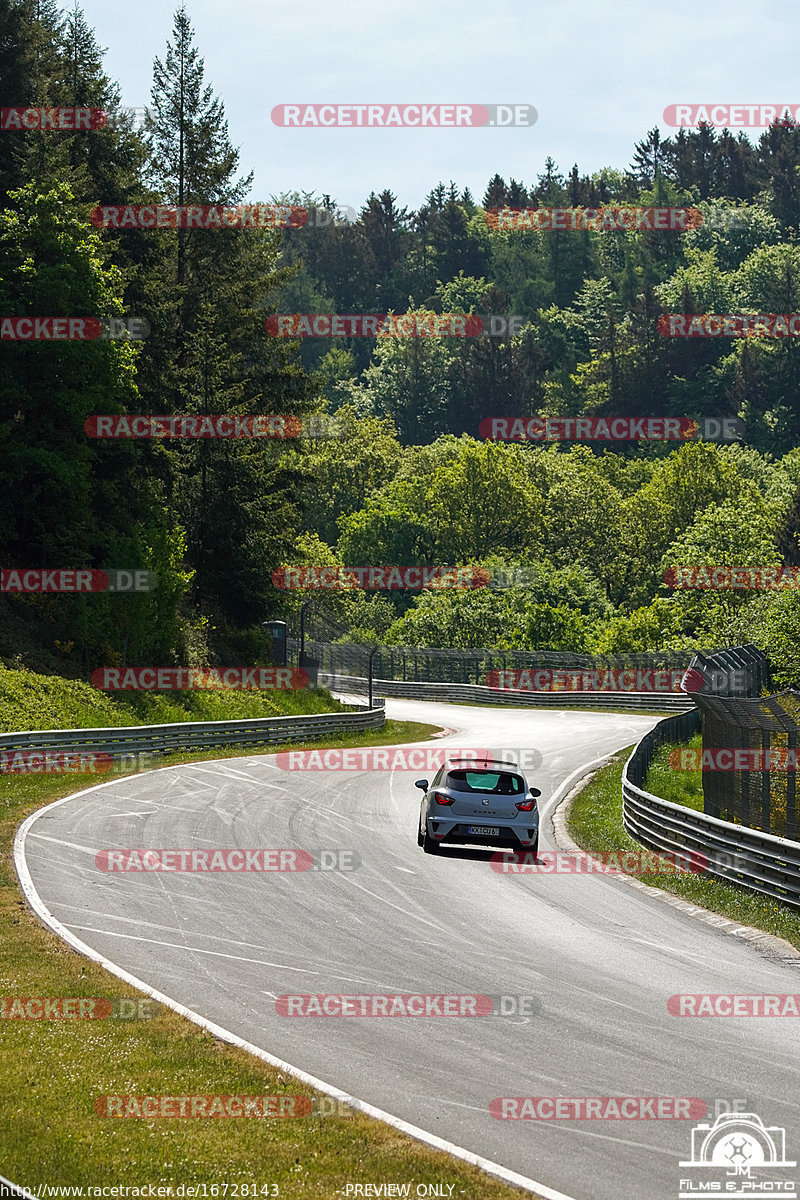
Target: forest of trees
{"points": [[406, 477]]}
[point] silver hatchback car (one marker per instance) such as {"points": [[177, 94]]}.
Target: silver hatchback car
{"points": [[489, 802]]}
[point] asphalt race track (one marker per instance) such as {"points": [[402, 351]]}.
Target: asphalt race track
{"points": [[600, 957]]}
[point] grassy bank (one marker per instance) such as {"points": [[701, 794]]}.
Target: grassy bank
{"points": [[32, 701], [679, 787], [595, 823]]}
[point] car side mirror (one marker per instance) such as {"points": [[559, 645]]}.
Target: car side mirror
{"points": [[535, 792], [422, 783]]}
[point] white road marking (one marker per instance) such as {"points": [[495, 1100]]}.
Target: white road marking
{"points": [[132, 937], [42, 837]]}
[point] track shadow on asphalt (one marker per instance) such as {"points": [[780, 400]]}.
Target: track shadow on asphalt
{"points": [[476, 853]]}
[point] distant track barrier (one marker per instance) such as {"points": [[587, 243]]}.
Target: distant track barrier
{"points": [[192, 735], [470, 693]]}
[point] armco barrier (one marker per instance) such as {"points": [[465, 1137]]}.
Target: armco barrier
{"points": [[194, 735], [471, 693], [738, 854]]}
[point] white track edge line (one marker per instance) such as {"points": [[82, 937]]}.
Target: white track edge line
{"points": [[414, 1131]]}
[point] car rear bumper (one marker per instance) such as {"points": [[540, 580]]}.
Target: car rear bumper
{"points": [[516, 834]]}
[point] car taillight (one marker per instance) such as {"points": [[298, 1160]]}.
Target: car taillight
{"points": [[526, 805], [440, 798]]}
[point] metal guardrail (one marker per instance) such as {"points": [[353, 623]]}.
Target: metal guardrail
{"points": [[471, 693], [759, 861], [193, 735]]}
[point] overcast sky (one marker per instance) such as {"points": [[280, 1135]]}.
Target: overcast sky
{"points": [[599, 74]]}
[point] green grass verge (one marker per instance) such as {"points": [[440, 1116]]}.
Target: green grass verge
{"points": [[51, 1072], [679, 787], [595, 823]]}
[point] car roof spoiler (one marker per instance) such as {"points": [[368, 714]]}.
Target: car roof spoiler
{"points": [[495, 762]]}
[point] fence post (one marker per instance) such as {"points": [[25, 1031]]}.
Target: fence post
{"points": [[372, 654]]}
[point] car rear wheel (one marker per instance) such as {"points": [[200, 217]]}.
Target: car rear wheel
{"points": [[428, 844]]}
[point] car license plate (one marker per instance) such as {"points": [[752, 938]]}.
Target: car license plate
{"points": [[489, 830]]}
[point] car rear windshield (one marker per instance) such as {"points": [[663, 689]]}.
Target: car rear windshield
{"points": [[501, 783]]}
